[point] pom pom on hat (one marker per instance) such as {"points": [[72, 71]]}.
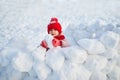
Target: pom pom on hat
{"points": [[53, 20], [54, 24]]}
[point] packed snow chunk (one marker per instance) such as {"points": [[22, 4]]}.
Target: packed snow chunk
{"points": [[42, 70], [95, 62], [71, 71], [110, 53], [48, 39], [83, 73], [39, 54], [55, 59], [114, 74], [98, 76], [109, 66], [22, 62], [75, 54], [81, 34], [110, 39], [13, 74], [7, 55], [93, 46]]}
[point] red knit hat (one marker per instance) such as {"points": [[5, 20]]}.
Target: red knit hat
{"points": [[54, 24]]}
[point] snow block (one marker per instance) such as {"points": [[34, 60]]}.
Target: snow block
{"points": [[109, 66], [75, 55], [7, 55], [93, 46], [71, 71], [110, 54], [110, 39], [114, 74], [95, 63], [22, 62], [54, 59], [83, 73], [39, 54], [42, 70]]}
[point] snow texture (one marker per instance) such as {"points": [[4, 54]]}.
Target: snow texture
{"points": [[91, 27]]}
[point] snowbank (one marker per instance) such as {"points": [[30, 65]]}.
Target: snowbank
{"points": [[88, 59], [93, 29]]}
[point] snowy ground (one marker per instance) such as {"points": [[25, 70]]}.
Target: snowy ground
{"points": [[92, 28]]}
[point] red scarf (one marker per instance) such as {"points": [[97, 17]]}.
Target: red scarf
{"points": [[60, 37]]}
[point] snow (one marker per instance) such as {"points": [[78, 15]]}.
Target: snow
{"points": [[95, 63], [73, 71], [94, 47], [110, 39], [91, 27], [98, 76], [48, 39], [75, 55], [22, 62], [42, 70], [54, 60]]}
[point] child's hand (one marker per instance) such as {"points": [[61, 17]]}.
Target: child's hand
{"points": [[56, 42], [44, 44]]}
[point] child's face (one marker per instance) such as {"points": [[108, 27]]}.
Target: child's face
{"points": [[54, 32]]}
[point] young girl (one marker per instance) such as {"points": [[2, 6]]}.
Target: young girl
{"points": [[55, 30]]}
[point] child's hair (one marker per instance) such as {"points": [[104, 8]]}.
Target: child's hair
{"points": [[54, 24]]}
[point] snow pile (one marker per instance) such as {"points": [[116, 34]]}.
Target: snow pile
{"points": [[93, 32], [94, 47], [103, 51], [22, 62], [91, 58]]}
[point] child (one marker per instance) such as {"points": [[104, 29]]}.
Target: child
{"points": [[58, 39]]}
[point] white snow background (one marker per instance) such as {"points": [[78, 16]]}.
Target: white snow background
{"points": [[91, 26]]}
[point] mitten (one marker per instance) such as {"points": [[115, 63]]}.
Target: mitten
{"points": [[44, 44], [56, 42]]}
